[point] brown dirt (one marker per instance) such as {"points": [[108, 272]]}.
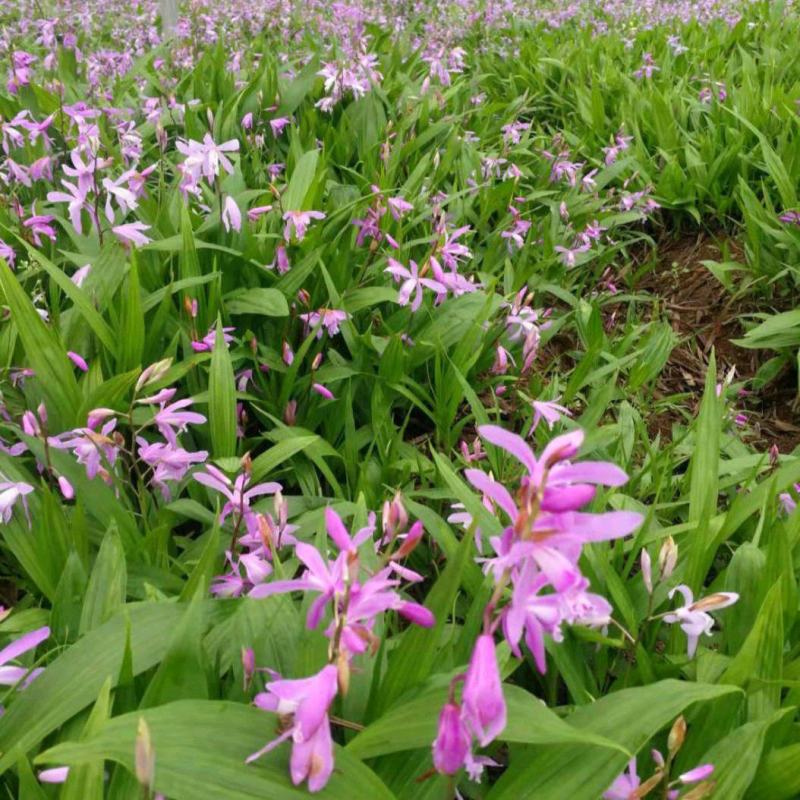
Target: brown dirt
{"points": [[705, 315]]}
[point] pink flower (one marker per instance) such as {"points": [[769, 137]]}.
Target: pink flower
{"points": [[452, 744], [483, 701], [54, 775], [624, 785], [693, 617], [132, 233], [305, 702], [278, 124], [39, 225], [325, 319], [75, 199], [10, 675], [548, 410], [231, 215], [299, 222], [78, 360], [257, 211], [10, 493], [322, 391], [412, 283]]}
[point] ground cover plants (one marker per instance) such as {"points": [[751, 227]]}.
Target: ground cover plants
{"points": [[397, 400]]}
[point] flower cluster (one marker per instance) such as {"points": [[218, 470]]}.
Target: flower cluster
{"points": [[357, 598], [538, 584]]}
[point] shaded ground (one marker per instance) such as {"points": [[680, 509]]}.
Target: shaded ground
{"points": [[705, 315]]}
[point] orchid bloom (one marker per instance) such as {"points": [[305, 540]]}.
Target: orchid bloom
{"points": [[10, 675], [693, 617], [305, 702], [10, 493]]}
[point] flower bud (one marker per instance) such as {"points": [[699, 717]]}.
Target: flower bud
{"points": [[316, 362], [697, 774], [667, 558], [248, 666], [145, 756], [343, 673], [290, 412], [30, 425], [676, 736], [647, 573], [66, 488], [451, 746], [42, 412], [702, 790], [153, 373]]}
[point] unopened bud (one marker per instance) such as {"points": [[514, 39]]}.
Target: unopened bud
{"points": [[30, 425], [145, 756], [42, 412], [774, 455], [676, 736], [343, 673], [316, 362], [667, 558], [248, 665], [66, 488], [247, 463], [644, 788], [155, 372], [705, 789], [647, 573], [303, 296], [413, 538], [290, 412]]}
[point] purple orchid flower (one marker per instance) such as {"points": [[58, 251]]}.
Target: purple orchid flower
{"points": [[10, 675]]}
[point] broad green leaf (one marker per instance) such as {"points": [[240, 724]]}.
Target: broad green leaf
{"points": [[267, 302], [74, 679], [737, 756], [413, 724], [201, 747], [629, 717]]}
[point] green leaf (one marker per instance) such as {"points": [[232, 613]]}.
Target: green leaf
{"points": [[270, 459], [106, 591], [222, 399], [301, 181], [759, 664], [201, 747], [778, 776], [413, 724], [704, 477], [85, 782], [629, 717], [182, 673], [80, 299], [131, 334], [267, 302], [736, 757], [74, 679], [46, 356], [203, 571]]}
